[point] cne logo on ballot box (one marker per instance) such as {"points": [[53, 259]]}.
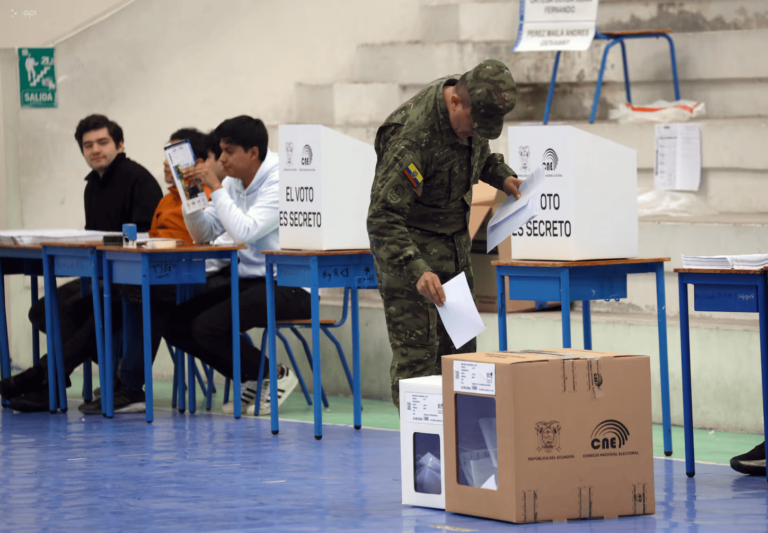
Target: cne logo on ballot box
{"points": [[588, 197], [325, 189]]}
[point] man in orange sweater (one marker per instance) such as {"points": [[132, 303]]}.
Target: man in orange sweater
{"points": [[168, 222]]}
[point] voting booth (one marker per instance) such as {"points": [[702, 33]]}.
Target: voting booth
{"points": [[588, 197], [325, 189], [421, 442]]}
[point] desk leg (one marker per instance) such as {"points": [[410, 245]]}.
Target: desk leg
{"points": [[107, 404], [685, 347], [61, 379], [85, 290], [146, 318], [47, 284], [762, 302], [236, 377], [501, 308], [565, 304], [191, 386], [271, 340], [35, 331], [661, 308], [358, 400], [587, 323], [316, 359], [5, 350], [98, 319]]}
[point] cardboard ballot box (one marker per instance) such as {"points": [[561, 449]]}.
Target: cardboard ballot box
{"points": [[588, 199], [421, 441], [548, 435], [325, 189]]}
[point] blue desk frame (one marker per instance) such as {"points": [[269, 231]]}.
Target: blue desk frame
{"points": [[180, 266], [351, 269], [28, 261], [742, 291], [592, 280], [73, 260]]}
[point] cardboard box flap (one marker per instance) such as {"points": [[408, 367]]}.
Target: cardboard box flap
{"points": [[503, 358], [590, 354]]}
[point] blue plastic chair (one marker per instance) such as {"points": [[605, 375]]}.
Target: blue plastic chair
{"points": [[617, 38], [293, 326]]}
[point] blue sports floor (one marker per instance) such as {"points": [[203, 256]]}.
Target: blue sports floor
{"points": [[211, 473]]}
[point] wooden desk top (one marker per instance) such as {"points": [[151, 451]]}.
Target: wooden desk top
{"points": [[718, 271], [73, 244], [599, 262], [316, 252], [187, 248], [22, 246]]}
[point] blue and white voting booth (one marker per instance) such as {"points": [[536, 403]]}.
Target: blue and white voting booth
{"points": [[588, 197], [325, 189]]}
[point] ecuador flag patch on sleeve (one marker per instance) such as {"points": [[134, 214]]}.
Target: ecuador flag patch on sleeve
{"points": [[413, 175]]}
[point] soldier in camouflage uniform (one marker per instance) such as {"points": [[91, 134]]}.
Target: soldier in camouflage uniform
{"points": [[431, 151]]}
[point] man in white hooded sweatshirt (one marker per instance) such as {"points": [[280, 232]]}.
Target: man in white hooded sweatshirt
{"points": [[244, 205]]}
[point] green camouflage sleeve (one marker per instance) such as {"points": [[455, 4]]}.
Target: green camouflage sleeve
{"points": [[495, 171], [391, 198]]}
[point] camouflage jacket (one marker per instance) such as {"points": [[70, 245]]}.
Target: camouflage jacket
{"points": [[403, 215]]}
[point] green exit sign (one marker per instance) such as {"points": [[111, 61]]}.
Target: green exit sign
{"points": [[37, 77]]}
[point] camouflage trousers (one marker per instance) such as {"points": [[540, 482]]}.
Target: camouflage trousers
{"points": [[416, 333]]}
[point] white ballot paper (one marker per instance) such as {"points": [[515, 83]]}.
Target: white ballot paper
{"points": [[459, 313], [678, 157], [513, 212]]}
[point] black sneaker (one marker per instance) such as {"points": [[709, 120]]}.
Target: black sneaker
{"points": [[33, 402], [126, 401], [751, 463], [31, 380]]}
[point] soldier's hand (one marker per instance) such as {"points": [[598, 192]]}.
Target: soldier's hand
{"points": [[512, 186], [430, 287]]}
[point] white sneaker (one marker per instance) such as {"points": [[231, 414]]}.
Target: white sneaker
{"points": [[247, 396], [285, 385]]}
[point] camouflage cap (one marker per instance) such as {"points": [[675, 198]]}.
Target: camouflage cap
{"points": [[493, 94]]}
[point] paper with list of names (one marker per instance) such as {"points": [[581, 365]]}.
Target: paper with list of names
{"points": [[459, 313], [424, 408], [678, 157], [477, 378]]}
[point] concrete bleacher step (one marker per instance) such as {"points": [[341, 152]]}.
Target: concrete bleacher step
{"points": [[444, 20], [700, 56]]}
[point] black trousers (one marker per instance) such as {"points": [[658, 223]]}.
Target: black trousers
{"points": [[202, 326], [78, 329]]}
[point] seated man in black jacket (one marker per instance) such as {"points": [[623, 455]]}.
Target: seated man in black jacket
{"points": [[118, 191]]}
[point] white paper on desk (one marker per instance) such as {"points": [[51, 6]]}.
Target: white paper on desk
{"points": [[459, 313], [514, 212]]}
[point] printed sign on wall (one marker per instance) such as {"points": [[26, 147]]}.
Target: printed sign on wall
{"points": [[37, 77]]}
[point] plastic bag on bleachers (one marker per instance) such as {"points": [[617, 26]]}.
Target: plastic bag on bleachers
{"points": [[659, 112]]}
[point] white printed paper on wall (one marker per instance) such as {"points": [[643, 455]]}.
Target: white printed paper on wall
{"points": [[678, 157]]}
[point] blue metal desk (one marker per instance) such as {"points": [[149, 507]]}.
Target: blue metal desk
{"points": [[734, 291], [76, 259], [28, 261], [572, 281], [146, 267], [351, 269]]}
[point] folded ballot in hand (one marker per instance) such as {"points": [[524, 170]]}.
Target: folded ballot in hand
{"points": [[514, 212]]}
